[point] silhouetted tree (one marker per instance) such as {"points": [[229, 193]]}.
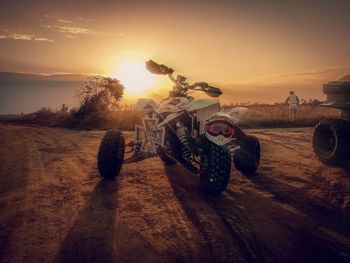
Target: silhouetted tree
{"points": [[315, 102], [98, 85], [98, 98]]}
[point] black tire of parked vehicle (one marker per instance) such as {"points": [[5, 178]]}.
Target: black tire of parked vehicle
{"points": [[331, 141], [111, 154], [215, 169], [247, 158]]}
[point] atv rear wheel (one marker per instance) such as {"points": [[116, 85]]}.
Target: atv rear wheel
{"points": [[215, 169], [247, 158], [111, 154], [331, 141]]}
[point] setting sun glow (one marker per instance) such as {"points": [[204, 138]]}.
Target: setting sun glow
{"points": [[134, 76]]}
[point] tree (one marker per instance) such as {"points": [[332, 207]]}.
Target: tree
{"points": [[102, 87], [98, 98]]}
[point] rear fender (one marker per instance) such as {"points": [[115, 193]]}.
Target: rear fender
{"points": [[237, 113]]}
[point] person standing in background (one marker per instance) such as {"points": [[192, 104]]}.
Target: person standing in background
{"points": [[293, 102]]}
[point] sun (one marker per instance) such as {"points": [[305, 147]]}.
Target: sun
{"points": [[134, 77]]}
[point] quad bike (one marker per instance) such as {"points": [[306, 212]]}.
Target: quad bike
{"points": [[331, 138], [194, 134]]}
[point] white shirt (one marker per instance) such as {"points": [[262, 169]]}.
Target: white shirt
{"points": [[293, 100]]}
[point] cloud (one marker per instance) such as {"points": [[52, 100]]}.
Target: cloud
{"points": [[71, 36], [319, 75], [69, 27], [64, 21], [21, 36], [53, 22], [75, 30], [25, 37], [72, 31], [271, 88], [43, 39]]}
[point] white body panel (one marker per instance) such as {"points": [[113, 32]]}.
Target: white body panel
{"points": [[203, 109], [175, 104], [203, 103]]}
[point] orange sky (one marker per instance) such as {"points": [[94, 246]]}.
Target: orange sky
{"points": [[262, 48]]}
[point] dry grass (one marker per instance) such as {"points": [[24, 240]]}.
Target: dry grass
{"points": [[123, 120], [278, 116], [258, 116]]}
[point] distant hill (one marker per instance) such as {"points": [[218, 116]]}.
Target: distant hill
{"points": [[22, 92], [8, 116], [14, 76]]}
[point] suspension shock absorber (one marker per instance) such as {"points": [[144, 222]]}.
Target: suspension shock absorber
{"points": [[184, 137]]}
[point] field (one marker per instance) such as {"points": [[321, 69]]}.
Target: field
{"points": [[258, 116], [278, 116], [55, 208]]}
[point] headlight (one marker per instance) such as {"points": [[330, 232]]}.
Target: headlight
{"points": [[220, 127]]}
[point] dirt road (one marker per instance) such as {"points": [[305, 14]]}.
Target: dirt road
{"points": [[55, 208]]}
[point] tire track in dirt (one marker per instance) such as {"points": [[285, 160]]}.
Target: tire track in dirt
{"points": [[319, 191], [14, 172], [28, 222], [324, 213], [211, 226], [50, 184], [260, 222], [239, 214]]}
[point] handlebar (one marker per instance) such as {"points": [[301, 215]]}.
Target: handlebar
{"points": [[181, 86]]}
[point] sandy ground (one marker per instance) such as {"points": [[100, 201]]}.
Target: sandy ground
{"points": [[55, 208]]}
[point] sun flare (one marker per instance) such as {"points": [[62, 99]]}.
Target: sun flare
{"points": [[134, 76]]}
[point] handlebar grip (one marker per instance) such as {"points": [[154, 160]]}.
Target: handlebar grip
{"points": [[211, 91], [156, 68]]}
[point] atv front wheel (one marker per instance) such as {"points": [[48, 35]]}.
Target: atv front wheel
{"points": [[111, 154], [331, 141], [215, 169], [247, 158]]}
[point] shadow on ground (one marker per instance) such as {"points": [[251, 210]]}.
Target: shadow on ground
{"points": [[323, 213], [220, 245], [244, 226], [91, 237]]}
